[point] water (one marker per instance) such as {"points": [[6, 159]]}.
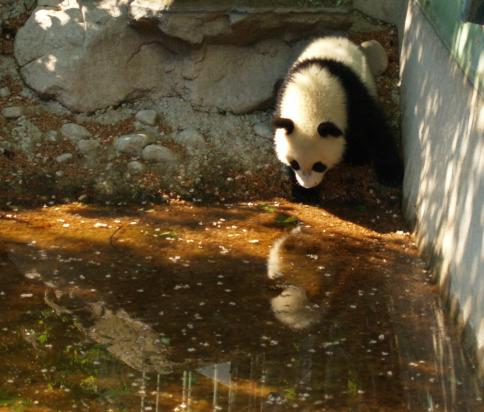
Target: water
{"points": [[252, 307]]}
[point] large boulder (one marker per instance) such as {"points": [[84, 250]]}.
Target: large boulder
{"points": [[239, 79], [97, 53], [88, 58]]}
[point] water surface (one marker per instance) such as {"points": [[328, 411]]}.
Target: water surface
{"points": [[249, 307]]}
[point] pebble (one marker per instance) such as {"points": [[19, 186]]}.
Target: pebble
{"points": [[157, 153], [88, 146], [75, 132], [190, 138], [135, 167], [13, 112], [131, 143], [4, 92], [147, 117], [142, 127], [64, 157], [51, 136]]}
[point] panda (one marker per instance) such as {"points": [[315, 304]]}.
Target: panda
{"points": [[296, 275], [327, 113]]}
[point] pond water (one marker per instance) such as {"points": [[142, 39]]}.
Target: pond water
{"points": [[246, 307]]}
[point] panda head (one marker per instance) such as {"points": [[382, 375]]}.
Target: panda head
{"points": [[310, 125], [309, 155]]}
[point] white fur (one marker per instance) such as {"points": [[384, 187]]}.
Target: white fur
{"points": [[344, 51], [315, 96], [291, 306]]}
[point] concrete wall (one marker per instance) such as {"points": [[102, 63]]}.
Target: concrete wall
{"points": [[443, 140]]}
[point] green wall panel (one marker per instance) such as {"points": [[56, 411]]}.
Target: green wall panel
{"points": [[464, 40]]}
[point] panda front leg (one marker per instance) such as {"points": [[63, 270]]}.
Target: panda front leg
{"points": [[386, 160], [300, 194]]}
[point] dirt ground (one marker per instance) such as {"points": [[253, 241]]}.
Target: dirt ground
{"points": [[37, 174]]}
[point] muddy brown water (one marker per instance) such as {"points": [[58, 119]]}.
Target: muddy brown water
{"points": [[248, 307]]}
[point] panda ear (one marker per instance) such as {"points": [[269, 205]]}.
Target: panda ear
{"points": [[283, 123], [329, 129]]}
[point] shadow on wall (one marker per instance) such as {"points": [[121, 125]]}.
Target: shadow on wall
{"points": [[443, 125]]}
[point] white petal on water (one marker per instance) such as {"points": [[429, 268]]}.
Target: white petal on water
{"points": [[100, 224], [26, 295], [32, 274]]}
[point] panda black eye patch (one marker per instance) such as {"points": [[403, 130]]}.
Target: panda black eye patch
{"points": [[319, 167], [294, 165], [329, 129]]}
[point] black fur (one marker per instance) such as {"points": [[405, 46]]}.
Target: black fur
{"points": [[368, 135], [329, 129], [301, 194], [283, 123]]}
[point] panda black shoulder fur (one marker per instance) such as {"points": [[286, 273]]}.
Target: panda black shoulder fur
{"points": [[327, 112]]}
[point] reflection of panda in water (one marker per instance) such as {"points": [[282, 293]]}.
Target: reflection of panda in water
{"points": [[287, 263], [327, 112]]}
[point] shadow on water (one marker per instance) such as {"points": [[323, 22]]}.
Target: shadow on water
{"points": [[260, 307]]}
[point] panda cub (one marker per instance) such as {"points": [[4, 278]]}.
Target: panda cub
{"points": [[327, 112]]}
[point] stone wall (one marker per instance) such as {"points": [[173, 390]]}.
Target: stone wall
{"points": [[94, 54]]}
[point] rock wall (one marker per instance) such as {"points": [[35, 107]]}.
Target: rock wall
{"points": [[94, 54]]}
